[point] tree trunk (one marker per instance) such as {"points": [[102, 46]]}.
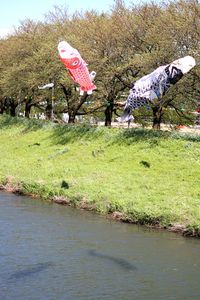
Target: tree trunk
{"points": [[108, 113], [71, 119], [157, 116], [72, 116], [2, 106], [48, 110], [27, 110], [13, 107], [28, 105]]}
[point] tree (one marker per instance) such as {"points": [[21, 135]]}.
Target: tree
{"points": [[164, 33], [121, 46]]}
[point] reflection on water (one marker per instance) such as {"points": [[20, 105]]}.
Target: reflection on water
{"points": [[51, 252], [124, 264], [30, 270]]}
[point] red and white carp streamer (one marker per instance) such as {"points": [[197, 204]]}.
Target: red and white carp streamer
{"points": [[77, 67]]}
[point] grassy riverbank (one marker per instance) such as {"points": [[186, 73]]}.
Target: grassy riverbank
{"points": [[135, 175]]}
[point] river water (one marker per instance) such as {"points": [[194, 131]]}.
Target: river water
{"points": [[53, 252]]}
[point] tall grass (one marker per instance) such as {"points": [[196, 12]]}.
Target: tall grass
{"points": [[145, 176]]}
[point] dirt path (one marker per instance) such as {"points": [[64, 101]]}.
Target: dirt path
{"points": [[185, 129]]}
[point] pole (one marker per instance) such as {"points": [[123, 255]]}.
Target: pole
{"points": [[52, 102]]}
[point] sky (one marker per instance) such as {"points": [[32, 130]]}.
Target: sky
{"points": [[14, 11]]}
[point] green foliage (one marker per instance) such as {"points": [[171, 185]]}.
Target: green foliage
{"points": [[193, 230]]}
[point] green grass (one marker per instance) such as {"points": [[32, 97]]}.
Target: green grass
{"points": [[152, 178]]}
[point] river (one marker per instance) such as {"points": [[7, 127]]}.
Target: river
{"points": [[53, 252]]}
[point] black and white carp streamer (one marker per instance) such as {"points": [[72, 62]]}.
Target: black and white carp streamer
{"points": [[155, 85]]}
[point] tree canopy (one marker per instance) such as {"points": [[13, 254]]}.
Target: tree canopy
{"points": [[121, 45]]}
